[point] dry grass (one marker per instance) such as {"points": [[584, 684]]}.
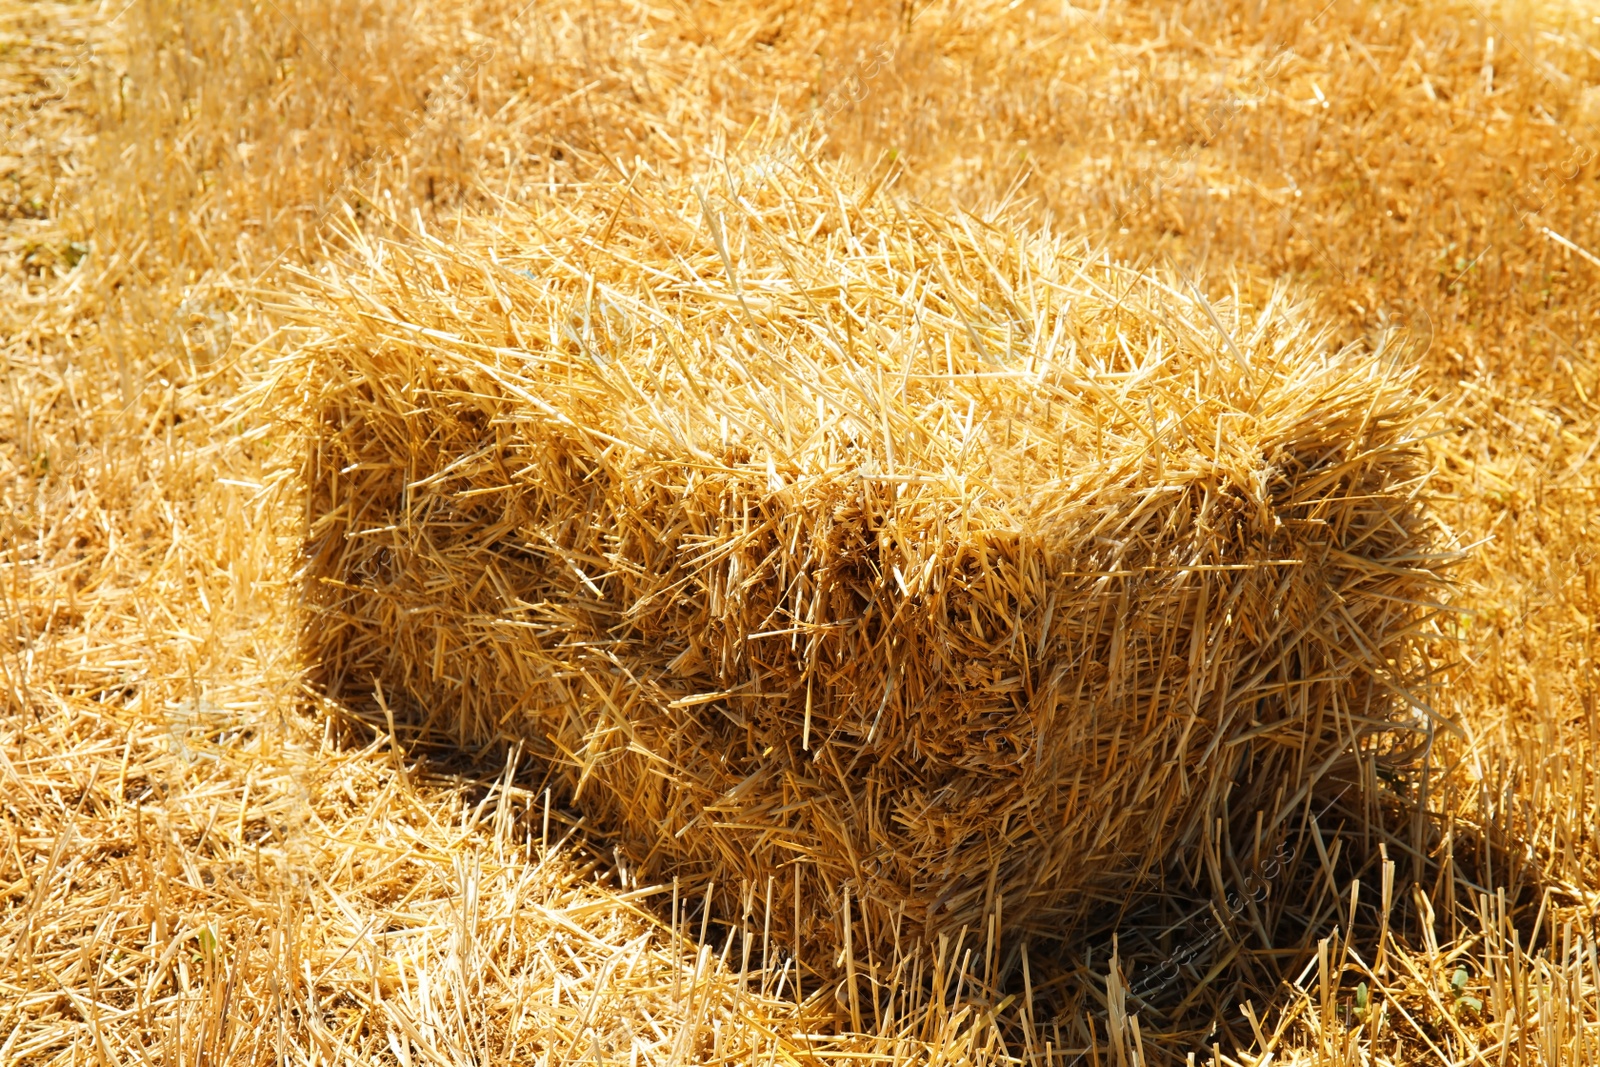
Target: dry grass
{"points": [[156, 739]]}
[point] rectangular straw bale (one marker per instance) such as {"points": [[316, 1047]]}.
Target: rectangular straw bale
{"points": [[826, 541]]}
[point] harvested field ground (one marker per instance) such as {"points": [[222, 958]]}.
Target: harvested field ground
{"points": [[206, 858]]}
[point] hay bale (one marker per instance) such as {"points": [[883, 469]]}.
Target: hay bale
{"points": [[835, 545]]}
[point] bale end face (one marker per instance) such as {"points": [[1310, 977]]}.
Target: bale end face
{"points": [[912, 573]]}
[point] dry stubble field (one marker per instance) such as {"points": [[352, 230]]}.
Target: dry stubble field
{"points": [[204, 860]]}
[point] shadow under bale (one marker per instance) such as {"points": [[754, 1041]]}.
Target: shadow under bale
{"points": [[935, 580]]}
